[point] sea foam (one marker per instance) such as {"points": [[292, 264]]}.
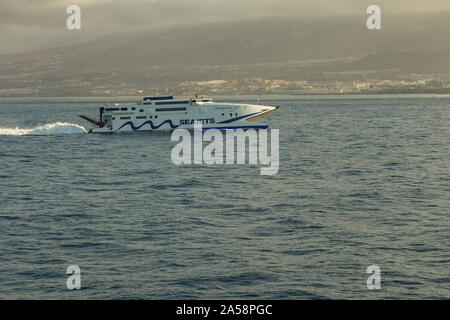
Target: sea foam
{"points": [[56, 128]]}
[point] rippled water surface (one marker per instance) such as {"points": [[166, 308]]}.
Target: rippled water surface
{"points": [[362, 181]]}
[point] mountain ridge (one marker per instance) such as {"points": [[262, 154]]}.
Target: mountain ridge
{"points": [[265, 47]]}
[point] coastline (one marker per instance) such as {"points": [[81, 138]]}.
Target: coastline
{"points": [[240, 96]]}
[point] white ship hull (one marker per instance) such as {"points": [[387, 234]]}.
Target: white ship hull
{"points": [[160, 114]]}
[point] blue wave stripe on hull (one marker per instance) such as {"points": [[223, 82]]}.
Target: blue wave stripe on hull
{"points": [[173, 126], [149, 122]]}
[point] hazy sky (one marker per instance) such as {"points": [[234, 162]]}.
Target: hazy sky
{"points": [[28, 24]]}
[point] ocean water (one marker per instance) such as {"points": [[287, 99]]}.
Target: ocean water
{"points": [[362, 181]]}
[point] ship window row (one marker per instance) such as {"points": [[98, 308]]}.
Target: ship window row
{"points": [[170, 109], [142, 110], [171, 102], [119, 109], [137, 117]]}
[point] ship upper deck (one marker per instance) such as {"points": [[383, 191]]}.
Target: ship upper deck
{"points": [[155, 102]]}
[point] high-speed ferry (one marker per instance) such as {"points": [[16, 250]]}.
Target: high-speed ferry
{"points": [[167, 113]]}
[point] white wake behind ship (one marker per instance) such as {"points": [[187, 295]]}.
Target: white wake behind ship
{"points": [[167, 113]]}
